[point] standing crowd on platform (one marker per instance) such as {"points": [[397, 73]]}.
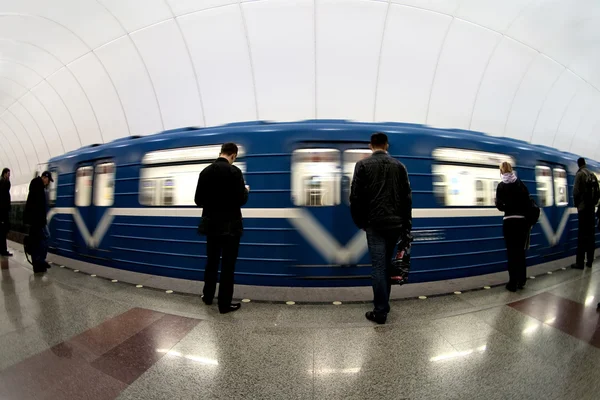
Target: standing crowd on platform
{"points": [[380, 204]]}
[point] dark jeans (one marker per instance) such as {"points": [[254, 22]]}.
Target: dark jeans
{"points": [[586, 239], [216, 246], [38, 239], [381, 248], [515, 235], [4, 228]]}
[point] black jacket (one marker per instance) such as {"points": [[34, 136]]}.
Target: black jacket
{"points": [[380, 195], [512, 198], [36, 207], [221, 192], [579, 190], [4, 200]]}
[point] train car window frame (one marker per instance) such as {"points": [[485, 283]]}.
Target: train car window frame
{"points": [[348, 167], [307, 177], [53, 188], [104, 186], [169, 177], [560, 182], [545, 186], [466, 178], [83, 198]]}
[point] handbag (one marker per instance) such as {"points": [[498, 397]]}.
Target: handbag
{"points": [[401, 261]]}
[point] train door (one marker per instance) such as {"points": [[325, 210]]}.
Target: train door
{"points": [[94, 194], [553, 199], [321, 179]]}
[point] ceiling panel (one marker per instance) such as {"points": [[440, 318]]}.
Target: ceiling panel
{"points": [[181, 7], [411, 47], [133, 84], [462, 63], [346, 82], [16, 155], [492, 14], [138, 14], [45, 123], [442, 6], [282, 44], [220, 53], [28, 156], [162, 46], [19, 73], [33, 130]]}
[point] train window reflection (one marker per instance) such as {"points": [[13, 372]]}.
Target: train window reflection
{"points": [[465, 185], [351, 157], [560, 187], [104, 185], [543, 180], [83, 186], [316, 177], [52, 189]]}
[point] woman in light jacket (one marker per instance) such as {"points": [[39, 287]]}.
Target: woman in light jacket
{"points": [[512, 197]]}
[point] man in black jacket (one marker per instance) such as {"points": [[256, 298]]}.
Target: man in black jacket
{"points": [[585, 195], [381, 204], [4, 211], [36, 210], [221, 192]]}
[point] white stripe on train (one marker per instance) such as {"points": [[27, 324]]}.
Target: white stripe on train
{"points": [[308, 226]]}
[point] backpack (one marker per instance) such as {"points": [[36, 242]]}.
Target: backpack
{"points": [[532, 211], [591, 191]]}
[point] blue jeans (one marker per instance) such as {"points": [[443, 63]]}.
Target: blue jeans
{"points": [[39, 245], [381, 248]]}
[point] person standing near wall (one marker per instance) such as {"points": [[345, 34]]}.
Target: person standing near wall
{"points": [[586, 194], [4, 211]]}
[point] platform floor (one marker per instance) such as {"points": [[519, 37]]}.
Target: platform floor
{"points": [[68, 335]]}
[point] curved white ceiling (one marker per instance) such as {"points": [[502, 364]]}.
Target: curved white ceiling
{"points": [[76, 72]]}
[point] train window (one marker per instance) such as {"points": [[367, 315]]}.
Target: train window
{"points": [[316, 177], [83, 186], [560, 187], [52, 189], [463, 185], [351, 157], [175, 184], [104, 185], [543, 179]]}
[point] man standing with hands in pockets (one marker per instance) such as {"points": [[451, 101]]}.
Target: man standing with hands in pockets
{"points": [[221, 193]]}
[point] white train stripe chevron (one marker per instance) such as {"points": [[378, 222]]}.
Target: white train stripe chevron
{"points": [[301, 219]]}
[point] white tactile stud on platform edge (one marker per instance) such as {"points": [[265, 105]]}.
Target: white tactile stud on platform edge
{"points": [[93, 275], [532, 277], [290, 303], [458, 292], [75, 270], [337, 303], [168, 291], [422, 297], [549, 272], [139, 286], [246, 300], [114, 281], [487, 287]]}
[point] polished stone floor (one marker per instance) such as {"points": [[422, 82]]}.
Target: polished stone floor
{"points": [[68, 335]]}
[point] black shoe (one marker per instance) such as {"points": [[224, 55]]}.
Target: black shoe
{"points": [[47, 265], [206, 301], [372, 317], [511, 287], [39, 270], [230, 308], [7, 254], [521, 285], [575, 266], [589, 265]]}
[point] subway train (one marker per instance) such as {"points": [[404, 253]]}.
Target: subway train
{"points": [[129, 204]]}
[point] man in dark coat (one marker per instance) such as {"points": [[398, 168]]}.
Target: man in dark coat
{"points": [[221, 192], [381, 204], [585, 196], [36, 210], [4, 211]]}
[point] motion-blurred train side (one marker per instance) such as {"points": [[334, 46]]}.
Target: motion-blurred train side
{"points": [[129, 204]]}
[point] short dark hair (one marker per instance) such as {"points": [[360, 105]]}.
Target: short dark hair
{"points": [[5, 170], [581, 162], [379, 140], [229, 149]]}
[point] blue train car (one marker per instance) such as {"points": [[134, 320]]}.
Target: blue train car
{"points": [[129, 204]]}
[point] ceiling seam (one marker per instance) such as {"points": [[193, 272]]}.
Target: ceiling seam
{"points": [[512, 102], [37, 155], [564, 113], [437, 64], [586, 112], [252, 74], [544, 103], [6, 163], [38, 126], [485, 69], [18, 142], [51, 119], [8, 60], [13, 153], [385, 22]]}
